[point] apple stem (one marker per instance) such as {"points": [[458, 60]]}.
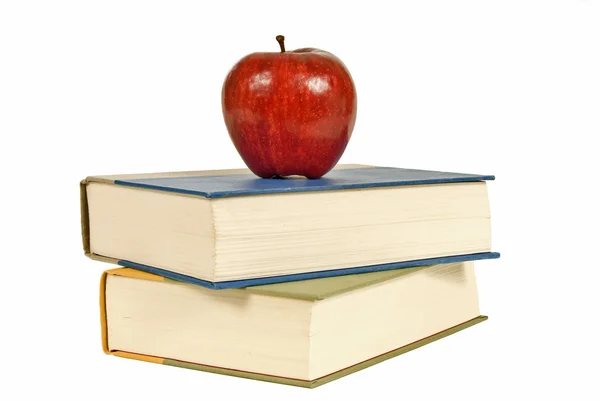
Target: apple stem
{"points": [[280, 39]]}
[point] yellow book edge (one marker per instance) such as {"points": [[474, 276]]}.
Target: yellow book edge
{"points": [[251, 375]]}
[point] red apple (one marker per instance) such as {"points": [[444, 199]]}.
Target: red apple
{"points": [[289, 112]]}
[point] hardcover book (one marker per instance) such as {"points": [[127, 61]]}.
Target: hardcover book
{"points": [[231, 229], [303, 333]]}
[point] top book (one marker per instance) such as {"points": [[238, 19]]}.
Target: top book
{"points": [[230, 229]]}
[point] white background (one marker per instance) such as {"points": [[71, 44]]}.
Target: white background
{"points": [[510, 88]]}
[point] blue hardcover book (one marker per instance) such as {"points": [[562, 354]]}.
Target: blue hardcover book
{"points": [[231, 229]]}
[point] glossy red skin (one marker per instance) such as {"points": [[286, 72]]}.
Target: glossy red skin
{"points": [[289, 113]]}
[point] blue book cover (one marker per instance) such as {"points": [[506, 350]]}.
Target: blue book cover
{"points": [[220, 186], [223, 285], [239, 183]]}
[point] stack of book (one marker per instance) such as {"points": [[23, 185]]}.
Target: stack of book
{"points": [[291, 280]]}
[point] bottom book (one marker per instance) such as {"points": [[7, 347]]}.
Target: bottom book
{"points": [[304, 333]]}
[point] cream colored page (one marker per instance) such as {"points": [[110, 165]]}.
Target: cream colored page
{"points": [[340, 229], [227, 328], [380, 318], [133, 224]]}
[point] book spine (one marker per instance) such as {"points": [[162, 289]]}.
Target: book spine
{"points": [[85, 221]]}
